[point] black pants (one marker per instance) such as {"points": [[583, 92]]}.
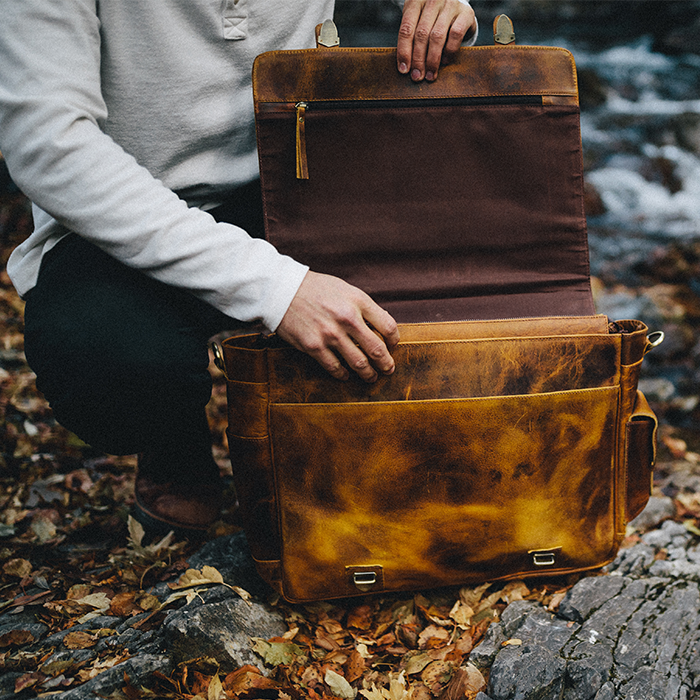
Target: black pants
{"points": [[122, 358]]}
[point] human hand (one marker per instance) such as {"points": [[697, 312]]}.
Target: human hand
{"points": [[431, 32], [328, 319]]}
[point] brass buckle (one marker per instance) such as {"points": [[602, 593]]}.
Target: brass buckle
{"points": [[364, 578], [544, 557]]}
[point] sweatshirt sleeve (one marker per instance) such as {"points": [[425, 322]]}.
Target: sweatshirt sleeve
{"points": [[51, 112]]}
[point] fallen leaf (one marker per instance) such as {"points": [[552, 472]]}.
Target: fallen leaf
{"points": [[27, 680], [96, 600], [147, 601], [79, 590], [466, 680], [207, 576], [355, 666], [339, 685], [136, 531], [397, 686], [360, 617], [462, 614], [43, 527], [79, 640], [16, 638], [194, 577], [17, 567], [433, 636], [189, 595], [688, 504], [374, 693], [472, 596], [215, 689], [246, 678], [124, 604], [363, 651], [465, 643], [554, 603], [57, 668], [676, 446], [512, 643], [515, 590], [436, 675], [97, 667], [691, 527], [276, 653], [418, 662]]}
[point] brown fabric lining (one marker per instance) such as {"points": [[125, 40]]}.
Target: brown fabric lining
{"points": [[467, 205]]}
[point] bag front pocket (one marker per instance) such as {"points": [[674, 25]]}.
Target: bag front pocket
{"points": [[398, 495]]}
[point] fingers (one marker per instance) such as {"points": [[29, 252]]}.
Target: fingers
{"points": [[430, 34], [328, 319], [407, 33]]}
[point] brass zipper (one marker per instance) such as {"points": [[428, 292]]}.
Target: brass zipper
{"points": [[302, 165]]}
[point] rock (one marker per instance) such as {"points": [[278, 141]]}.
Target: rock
{"points": [[592, 201], [687, 131], [139, 670], [485, 653], [24, 621], [625, 639], [231, 557], [593, 92], [606, 692], [221, 630], [534, 667], [681, 38], [658, 509], [588, 670], [75, 655], [587, 596]]}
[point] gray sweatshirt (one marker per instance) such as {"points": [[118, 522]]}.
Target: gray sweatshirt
{"points": [[107, 107]]}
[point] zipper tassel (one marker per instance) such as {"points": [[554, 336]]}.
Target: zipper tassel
{"points": [[302, 166]]}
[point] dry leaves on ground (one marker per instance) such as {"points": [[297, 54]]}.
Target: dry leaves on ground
{"points": [[392, 648]]}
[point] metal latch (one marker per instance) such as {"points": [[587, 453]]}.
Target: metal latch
{"points": [[219, 358], [503, 30], [328, 35], [544, 557], [364, 578], [367, 577]]}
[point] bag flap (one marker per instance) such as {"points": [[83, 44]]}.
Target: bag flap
{"points": [[458, 199]]}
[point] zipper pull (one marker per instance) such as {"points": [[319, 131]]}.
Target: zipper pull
{"points": [[302, 166]]}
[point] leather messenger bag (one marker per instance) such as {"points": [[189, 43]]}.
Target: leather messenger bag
{"points": [[511, 440]]}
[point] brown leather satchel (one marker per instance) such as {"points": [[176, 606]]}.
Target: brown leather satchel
{"points": [[511, 444]]}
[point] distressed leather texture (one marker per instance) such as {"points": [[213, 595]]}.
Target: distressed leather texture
{"points": [[514, 443], [474, 456]]}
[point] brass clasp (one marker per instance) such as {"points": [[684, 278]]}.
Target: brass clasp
{"points": [[364, 578], [544, 557]]}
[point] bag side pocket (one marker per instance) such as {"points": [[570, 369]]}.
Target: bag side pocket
{"points": [[640, 455]]}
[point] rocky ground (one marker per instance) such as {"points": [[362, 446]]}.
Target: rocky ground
{"points": [[87, 611]]}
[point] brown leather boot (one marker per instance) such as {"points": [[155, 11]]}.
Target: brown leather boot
{"points": [[189, 509]]}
